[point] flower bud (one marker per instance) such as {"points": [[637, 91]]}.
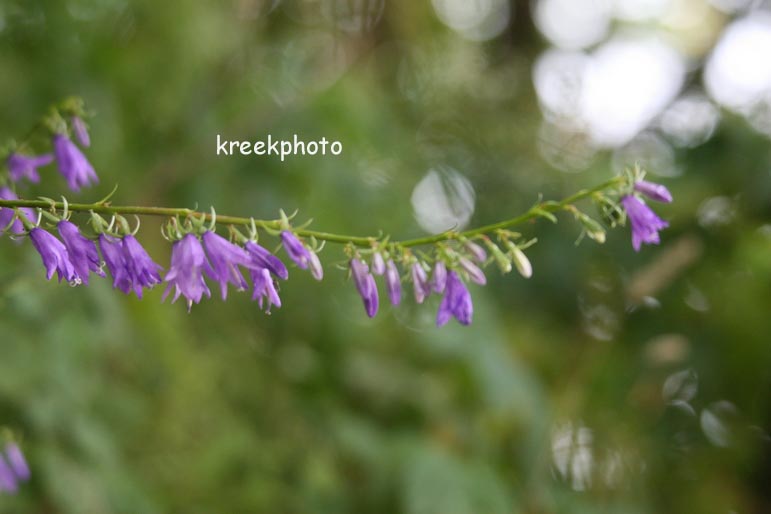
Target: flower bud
{"points": [[378, 264], [475, 274], [520, 260]]}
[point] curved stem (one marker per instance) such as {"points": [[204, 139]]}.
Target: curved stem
{"points": [[536, 211]]}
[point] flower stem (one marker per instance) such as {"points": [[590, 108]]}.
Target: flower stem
{"points": [[536, 211]]}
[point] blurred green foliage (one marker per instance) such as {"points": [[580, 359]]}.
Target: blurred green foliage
{"points": [[131, 406]]}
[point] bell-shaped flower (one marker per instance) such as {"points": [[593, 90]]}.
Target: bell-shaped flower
{"points": [[55, 257], [185, 275], [25, 166], [82, 251], [73, 165], [645, 223], [455, 302]]}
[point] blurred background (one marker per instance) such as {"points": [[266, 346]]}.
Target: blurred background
{"points": [[609, 382]]}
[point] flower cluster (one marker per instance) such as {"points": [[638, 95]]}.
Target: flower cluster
{"points": [[13, 468], [199, 254], [72, 163]]}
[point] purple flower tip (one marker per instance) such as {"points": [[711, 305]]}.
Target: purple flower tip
{"points": [[81, 132], [296, 249], [378, 264], [55, 257], [393, 283], [455, 302], [7, 214], [73, 165], [17, 461], [439, 278], [8, 481], [82, 251], [420, 284], [477, 252], [645, 223], [317, 271], [185, 275], [474, 272], [653, 191], [264, 259], [365, 285], [25, 166]]}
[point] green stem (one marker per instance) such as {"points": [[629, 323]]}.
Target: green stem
{"points": [[108, 209]]}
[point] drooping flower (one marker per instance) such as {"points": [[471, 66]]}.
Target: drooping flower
{"points": [[82, 251], [365, 285], [645, 224], [264, 259], [456, 302], [7, 214], [185, 275], [225, 258], [25, 166], [474, 272], [7, 478], [17, 461], [420, 284], [73, 165], [55, 257], [115, 260], [81, 132], [653, 191], [393, 283], [296, 249], [141, 269], [264, 288], [439, 278]]}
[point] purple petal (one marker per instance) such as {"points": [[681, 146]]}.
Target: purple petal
{"points": [[653, 191], [645, 223], [393, 283], [295, 249], [17, 461], [73, 165], [264, 259], [81, 132]]}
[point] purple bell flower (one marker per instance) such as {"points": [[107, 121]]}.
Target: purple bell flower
{"points": [[185, 275], [6, 214], [653, 191], [115, 260], [82, 251], [296, 250], [7, 478], [365, 285], [140, 267], [264, 288], [81, 132], [264, 259], [393, 283], [17, 461], [225, 258], [439, 278], [456, 302], [420, 283], [55, 257], [25, 166], [73, 165], [645, 223]]}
